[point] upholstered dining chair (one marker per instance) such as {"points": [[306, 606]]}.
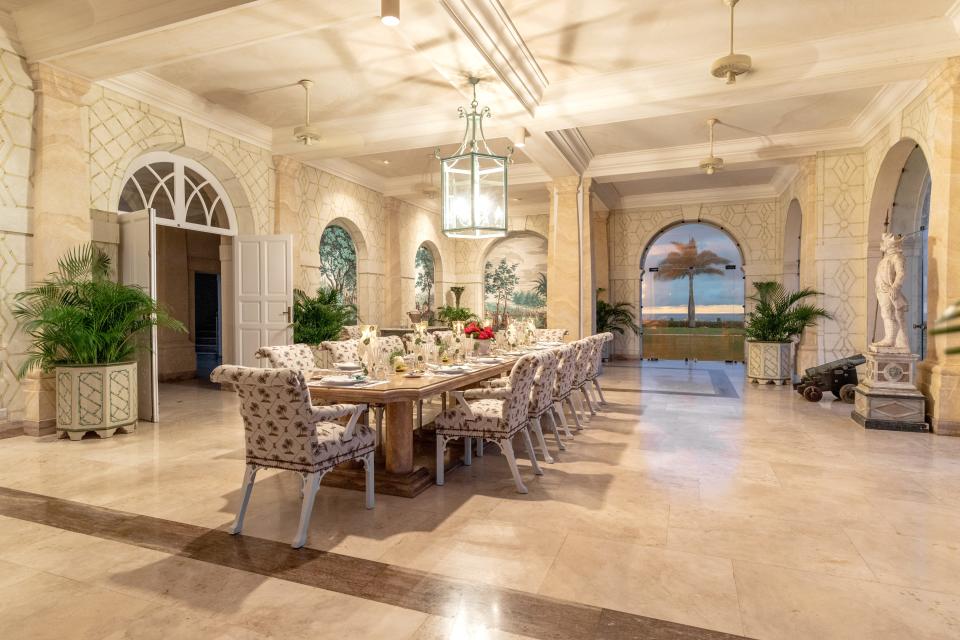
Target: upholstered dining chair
{"points": [[289, 356], [351, 332], [342, 350], [585, 352], [492, 419], [541, 399], [389, 344], [549, 335], [563, 387], [285, 431], [594, 373]]}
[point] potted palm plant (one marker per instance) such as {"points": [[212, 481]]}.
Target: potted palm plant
{"points": [[321, 317], [615, 318], [86, 328], [777, 318]]}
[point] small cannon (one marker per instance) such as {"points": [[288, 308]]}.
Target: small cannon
{"points": [[839, 377]]}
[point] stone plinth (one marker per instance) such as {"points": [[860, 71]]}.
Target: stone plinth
{"points": [[887, 396]]}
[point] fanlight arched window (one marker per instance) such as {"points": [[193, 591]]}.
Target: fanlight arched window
{"points": [[182, 192]]}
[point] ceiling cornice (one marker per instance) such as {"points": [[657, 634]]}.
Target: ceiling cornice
{"points": [[349, 171], [488, 27], [699, 196], [185, 104], [953, 15], [574, 148]]}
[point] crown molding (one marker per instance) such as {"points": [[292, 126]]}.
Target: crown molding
{"points": [[606, 194], [488, 27], [9, 38], [953, 15], [349, 171], [185, 104], [573, 147], [887, 105], [699, 196]]}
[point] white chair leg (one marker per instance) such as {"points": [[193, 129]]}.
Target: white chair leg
{"points": [[559, 420], [538, 429], [507, 447], [555, 429], [479, 447], [530, 452], [586, 397], [249, 475], [369, 484], [311, 486], [441, 447], [573, 410], [596, 385], [467, 451]]}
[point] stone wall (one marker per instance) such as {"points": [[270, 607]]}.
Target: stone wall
{"points": [[16, 147]]}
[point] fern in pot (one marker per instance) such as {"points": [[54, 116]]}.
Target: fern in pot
{"points": [[616, 318], [778, 317], [87, 329]]}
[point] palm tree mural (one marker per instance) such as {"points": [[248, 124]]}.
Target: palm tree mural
{"points": [[685, 261]]}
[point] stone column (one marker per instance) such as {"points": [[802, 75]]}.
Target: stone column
{"points": [[61, 201], [939, 375], [397, 299], [287, 220], [601, 252], [570, 299]]}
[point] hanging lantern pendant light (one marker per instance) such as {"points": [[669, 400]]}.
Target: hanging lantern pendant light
{"points": [[473, 182]]}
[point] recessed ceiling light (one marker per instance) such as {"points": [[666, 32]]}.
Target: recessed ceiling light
{"points": [[516, 199], [385, 161], [390, 12]]}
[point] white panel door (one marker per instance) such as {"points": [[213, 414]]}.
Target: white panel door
{"points": [[137, 266], [264, 289]]}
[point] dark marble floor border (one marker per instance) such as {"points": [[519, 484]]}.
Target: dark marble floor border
{"points": [[518, 611], [722, 387]]}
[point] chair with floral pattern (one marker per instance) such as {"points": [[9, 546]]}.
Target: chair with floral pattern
{"points": [[492, 419], [289, 356], [541, 399], [342, 350], [595, 366], [563, 388], [284, 430], [391, 344], [550, 335], [351, 332], [586, 361]]}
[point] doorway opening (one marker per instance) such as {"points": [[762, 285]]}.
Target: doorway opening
{"points": [[207, 322]]}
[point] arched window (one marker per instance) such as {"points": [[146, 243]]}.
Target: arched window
{"points": [[338, 262], [182, 192], [424, 285], [692, 295]]}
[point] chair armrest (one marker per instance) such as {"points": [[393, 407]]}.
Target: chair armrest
{"points": [[497, 383], [496, 393], [463, 404], [333, 411]]}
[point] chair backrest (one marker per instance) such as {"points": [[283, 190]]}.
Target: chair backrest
{"points": [[584, 359], [351, 332], [566, 369], [289, 356], [601, 339], [445, 335], [342, 350], [517, 404], [389, 344], [277, 417], [541, 395], [550, 335]]}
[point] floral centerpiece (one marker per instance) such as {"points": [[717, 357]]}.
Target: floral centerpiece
{"points": [[482, 337]]}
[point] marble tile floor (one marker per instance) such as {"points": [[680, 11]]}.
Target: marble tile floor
{"points": [[694, 498]]}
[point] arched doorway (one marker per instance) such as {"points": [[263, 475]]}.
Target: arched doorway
{"points": [[515, 279], [792, 233], [692, 294], [338, 262], [901, 205]]}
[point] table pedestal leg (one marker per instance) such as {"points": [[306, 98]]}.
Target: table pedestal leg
{"points": [[399, 445]]}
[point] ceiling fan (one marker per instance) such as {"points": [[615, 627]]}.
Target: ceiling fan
{"points": [[711, 164], [306, 133], [733, 64]]}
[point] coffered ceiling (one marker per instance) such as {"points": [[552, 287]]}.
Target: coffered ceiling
{"points": [[618, 90]]}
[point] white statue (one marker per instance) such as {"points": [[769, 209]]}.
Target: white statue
{"points": [[890, 298]]}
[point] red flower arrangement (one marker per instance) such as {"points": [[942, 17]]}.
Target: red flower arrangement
{"points": [[477, 332]]}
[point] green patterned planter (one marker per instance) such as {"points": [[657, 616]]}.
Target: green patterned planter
{"points": [[98, 398]]}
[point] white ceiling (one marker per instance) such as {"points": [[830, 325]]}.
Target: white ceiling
{"points": [[625, 83]]}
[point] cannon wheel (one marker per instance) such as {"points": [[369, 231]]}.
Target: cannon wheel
{"points": [[848, 393], [813, 394]]}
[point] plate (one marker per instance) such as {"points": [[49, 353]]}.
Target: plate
{"points": [[452, 370], [413, 374], [348, 366], [489, 360], [342, 381], [550, 343]]}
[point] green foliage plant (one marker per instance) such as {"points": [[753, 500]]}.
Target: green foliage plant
{"points": [[79, 316], [320, 317], [779, 315]]}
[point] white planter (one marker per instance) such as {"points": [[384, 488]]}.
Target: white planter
{"points": [[98, 398], [769, 362]]}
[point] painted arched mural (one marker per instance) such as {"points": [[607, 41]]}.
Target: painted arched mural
{"points": [[515, 279]]}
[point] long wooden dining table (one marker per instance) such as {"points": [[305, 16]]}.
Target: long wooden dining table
{"points": [[399, 475]]}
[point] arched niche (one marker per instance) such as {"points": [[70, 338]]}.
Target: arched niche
{"points": [[528, 251], [428, 287], [711, 288], [901, 204], [792, 234], [339, 261]]}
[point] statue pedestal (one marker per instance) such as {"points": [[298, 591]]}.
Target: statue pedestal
{"points": [[887, 396]]}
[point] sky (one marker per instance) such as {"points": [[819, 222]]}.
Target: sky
{"points": [[712, 294], [530, 252]]}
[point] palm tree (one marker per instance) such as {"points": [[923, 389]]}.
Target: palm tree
{"points": [[686, 262]]}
